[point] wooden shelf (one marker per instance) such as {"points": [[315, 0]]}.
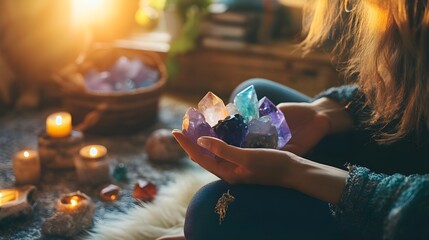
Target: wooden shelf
{"points": [[220, 70]]}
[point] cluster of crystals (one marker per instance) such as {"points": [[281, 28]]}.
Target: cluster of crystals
{"points": [[124, 75], [245, 123]]}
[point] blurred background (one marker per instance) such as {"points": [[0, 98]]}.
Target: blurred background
{"points": [[206, 45]]}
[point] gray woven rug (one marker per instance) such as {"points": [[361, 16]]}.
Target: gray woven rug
{"points": [[19, 130]]}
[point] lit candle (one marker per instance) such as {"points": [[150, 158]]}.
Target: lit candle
{"points": [[59, 125], [26, 167], [71, 202], [76, 209], [8, 196], [15, 202], [91, 165], [93, 152]]}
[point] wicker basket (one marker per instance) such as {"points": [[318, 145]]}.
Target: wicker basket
{"points": [[111, 112]]}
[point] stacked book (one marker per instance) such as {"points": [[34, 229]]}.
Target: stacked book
{"points": [[230, 29], [233, 24]]}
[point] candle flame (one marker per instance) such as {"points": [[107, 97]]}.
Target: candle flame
{"points": [[74, 200], [93, 151], [58, 120], [26, 154], [8, 196], [113, 197]]}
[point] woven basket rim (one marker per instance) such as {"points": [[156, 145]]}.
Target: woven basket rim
{"points": [[155, 87]]}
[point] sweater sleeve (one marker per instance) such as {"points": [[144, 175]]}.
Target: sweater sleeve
{"points": [[379, 206], [353, 101]]}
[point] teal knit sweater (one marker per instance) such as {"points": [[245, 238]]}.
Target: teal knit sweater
{"points": [[394, 205], [380, 206]]}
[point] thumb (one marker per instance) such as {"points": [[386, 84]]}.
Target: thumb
{"points": [[223, 150]]}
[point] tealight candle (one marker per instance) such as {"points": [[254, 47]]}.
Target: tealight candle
{"points": [[91, 165], [74, 213], [26, 167], [70, 203], [59, 124]]}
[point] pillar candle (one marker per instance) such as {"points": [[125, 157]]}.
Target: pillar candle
{"points": [[59, 124], [92, 166], [26, 167]]}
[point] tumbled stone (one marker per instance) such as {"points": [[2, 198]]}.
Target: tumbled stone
{"points": [[232, 130], [262, 134], [246, 102], [267, 108], [120, 172], [110, 193], [144, 190], [162, 147], [213, 109]]}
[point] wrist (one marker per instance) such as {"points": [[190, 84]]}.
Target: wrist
{"points": [[319, 181], [337, 117]]}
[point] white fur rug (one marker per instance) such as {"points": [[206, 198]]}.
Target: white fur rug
{"points": [[164, 216]]}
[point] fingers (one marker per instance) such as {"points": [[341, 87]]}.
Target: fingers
{"points": [[190, 148], [223, 150], [216, 166]]}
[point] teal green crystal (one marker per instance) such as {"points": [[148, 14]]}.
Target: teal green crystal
{"points": [[120, 172], [246, 102]]}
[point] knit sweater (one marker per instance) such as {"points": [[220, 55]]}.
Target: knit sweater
{"points": [[379, 205]]}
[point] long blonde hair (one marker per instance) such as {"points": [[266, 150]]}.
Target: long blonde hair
{"points": [[384, 46]]}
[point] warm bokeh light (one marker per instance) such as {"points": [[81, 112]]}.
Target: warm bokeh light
{"points": [[26, 154], [85, 11], [157, 4]]}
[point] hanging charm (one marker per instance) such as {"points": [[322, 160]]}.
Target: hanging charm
{"points": [[222, 205]]}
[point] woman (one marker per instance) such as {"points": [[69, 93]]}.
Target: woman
{"points": [[273, 194]]}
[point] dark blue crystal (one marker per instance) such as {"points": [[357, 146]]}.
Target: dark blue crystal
{"points": [[232, 130]]}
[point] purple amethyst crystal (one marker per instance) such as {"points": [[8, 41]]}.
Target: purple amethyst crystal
{"points": [[124, 75], [194, 126], [267, 108], [232, 130]]}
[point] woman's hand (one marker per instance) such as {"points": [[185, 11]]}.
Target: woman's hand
{"points": [[310, 122], [242, 165], [266, 167]]}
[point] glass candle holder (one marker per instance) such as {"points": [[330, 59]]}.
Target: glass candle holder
{"points": [[92, 166]]}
